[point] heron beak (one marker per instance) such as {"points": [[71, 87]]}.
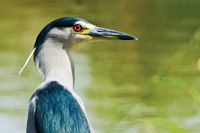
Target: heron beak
{"points": [[103, 33]]}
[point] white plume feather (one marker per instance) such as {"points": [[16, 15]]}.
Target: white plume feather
{"points": [[27, 61]]}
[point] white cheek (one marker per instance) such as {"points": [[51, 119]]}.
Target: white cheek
{"points": [[59, 33]]}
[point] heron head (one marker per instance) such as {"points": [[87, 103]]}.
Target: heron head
{"points": [[72, 32]]}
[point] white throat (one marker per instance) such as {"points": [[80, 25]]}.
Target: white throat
{"points": [[54, 64]]}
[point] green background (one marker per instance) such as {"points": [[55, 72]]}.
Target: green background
{"points": [[147, 86]]}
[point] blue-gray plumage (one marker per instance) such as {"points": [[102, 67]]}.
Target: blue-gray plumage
{"points": [[57, 111], [55, 107]]}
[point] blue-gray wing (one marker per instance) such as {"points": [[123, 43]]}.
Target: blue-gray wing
{"points": [[30, 128]]}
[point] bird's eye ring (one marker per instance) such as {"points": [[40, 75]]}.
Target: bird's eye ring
{"points": [[77, 27]]}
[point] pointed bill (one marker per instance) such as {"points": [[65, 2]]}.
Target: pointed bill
{"points": [[99, 32]]}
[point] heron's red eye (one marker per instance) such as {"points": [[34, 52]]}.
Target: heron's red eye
{"points": [[77, 27]]}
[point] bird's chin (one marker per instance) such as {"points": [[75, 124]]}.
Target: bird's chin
{"points": [[82, 38], [78, 41]]}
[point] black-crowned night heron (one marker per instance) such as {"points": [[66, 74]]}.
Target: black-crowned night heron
{"points": [[55, 107]]}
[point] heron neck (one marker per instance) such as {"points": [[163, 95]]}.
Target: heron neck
{"points": [[54, 63]]}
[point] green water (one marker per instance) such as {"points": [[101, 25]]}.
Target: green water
{"points": [[145, 86]]}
